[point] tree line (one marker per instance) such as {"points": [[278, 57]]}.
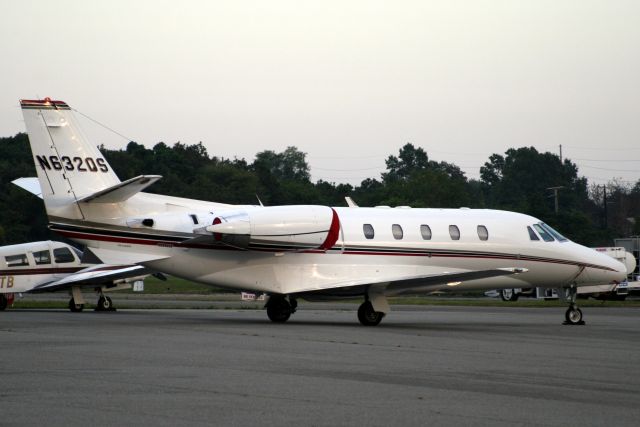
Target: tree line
{"points": [[517, 180]]}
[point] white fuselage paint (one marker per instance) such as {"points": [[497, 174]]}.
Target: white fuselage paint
{"points": [[354, 259], [27, 265]]}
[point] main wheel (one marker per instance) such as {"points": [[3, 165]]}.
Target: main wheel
{"points": [[368, 316], [76, 308], [278, 309], [508, 295], [573, 315], [3, 302]]}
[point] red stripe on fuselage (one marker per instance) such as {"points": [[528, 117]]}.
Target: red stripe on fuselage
{"points": [[150, 242]]}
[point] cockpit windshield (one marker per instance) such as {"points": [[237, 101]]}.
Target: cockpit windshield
{"points": [[554, 233], [546, 236]]}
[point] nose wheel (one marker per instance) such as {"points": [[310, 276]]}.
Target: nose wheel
{"points": [[573, 315]]}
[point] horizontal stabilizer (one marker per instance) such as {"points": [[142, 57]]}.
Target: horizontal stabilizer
{"points": [[32, 185], [122, 190], [95, 275]]}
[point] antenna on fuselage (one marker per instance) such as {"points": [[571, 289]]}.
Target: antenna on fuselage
{"points": [[350, 202], [259, 201]]}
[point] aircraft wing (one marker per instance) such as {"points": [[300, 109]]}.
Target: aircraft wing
{"points": [[416, 283], [94, 275], [402, 285]]}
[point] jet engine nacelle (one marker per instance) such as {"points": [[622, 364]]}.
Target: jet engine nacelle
{"points": [[278, 228]]}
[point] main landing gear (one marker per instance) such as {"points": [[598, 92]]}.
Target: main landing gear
{"points": [[77, 302], [279, 309], [75, 308], [573, 315], [368, 316], [3, 302]]}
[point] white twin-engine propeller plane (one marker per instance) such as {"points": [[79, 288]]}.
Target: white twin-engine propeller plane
{"points": [[49, 266], [287, 252]]}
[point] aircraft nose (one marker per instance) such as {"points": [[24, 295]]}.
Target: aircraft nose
{"points": [[600, 268], [617, 272]]}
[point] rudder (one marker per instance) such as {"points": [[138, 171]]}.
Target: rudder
{"points": [[69, 167]]}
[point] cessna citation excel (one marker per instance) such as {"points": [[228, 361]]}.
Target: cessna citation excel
{"points": [[54, 266], [287, 252]]}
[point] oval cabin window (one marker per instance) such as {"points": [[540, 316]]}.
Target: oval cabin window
{"points": [[483, 233], [454, 232], [396, 229], [425, 230], [368, 231]]}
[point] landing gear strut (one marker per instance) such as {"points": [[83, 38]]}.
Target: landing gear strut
{"points": [[573, 315], [279, 309], [75, 308], [368, 316]]}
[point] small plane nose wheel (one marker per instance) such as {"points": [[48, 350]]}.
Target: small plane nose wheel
{"points": [[573, 315], [104, 304]]}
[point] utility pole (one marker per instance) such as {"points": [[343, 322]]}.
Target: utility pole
{"points": [[606, 213], [560, 162], [555, 194]]}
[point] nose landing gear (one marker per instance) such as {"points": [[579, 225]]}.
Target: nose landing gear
{"points": [[573, 315]]}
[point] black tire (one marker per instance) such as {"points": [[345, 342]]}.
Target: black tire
{"points": [[104, 304], [367, 316], [3, 302], [75, 308], [573, 316], [509, 295], [278, 309]]}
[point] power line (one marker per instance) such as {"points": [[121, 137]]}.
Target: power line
{"points": [[609, 169]]}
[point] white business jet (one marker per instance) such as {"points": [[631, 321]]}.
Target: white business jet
{"points": [[287, 252], [50, 266]]}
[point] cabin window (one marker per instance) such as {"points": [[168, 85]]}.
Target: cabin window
{"points": [[483, 233], [63, 255], [194, 218], [554, 233], [532, 234], [42, 257], [368, 231], [425, 230], [16, 260], [397, 231], [543, 233], [454, 232]]}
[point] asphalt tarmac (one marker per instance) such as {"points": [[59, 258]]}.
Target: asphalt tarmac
{"points": [[421, 366]]}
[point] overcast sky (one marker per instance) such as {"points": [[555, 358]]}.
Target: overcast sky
{"points": [[348, 82]]}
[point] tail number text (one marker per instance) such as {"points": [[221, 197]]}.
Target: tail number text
{"points": [[80, 164]]}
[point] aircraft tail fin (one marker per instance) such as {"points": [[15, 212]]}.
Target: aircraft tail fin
{"points": [[69, 167]]}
